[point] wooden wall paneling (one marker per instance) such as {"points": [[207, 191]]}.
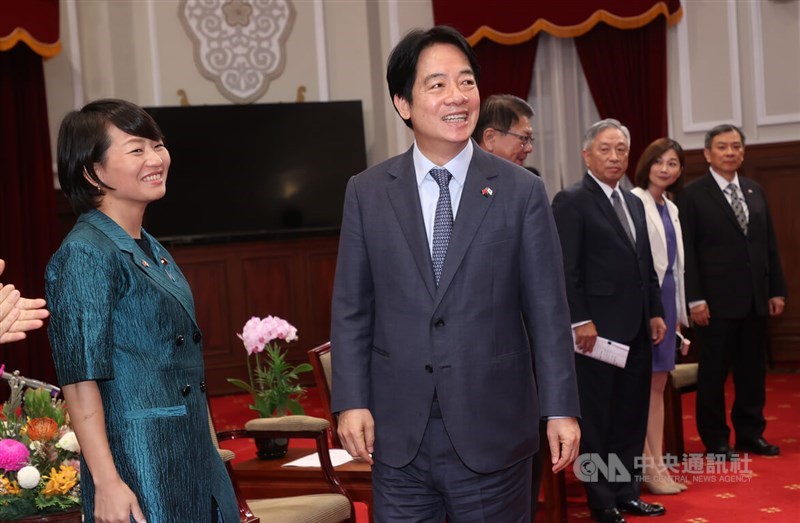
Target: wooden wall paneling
{"points": [[291, 278]]}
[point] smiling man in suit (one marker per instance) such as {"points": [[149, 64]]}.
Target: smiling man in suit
{"points": [[734, 280], [613, 292], [448, 285]]}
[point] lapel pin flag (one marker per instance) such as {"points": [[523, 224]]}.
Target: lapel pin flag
{"points": [[487, 191]]}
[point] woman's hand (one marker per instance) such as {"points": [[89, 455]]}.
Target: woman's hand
{"points": [[115, 502]]}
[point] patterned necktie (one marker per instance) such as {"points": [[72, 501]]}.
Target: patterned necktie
{"points": [[443, 222], [736, 204], [620, 210]]}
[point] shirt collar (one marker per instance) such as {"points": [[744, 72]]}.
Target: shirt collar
{"points": [[607, 189], [458, 166], [723, 183]]}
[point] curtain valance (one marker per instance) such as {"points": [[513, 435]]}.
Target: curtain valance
{"points": [[515, 22], [34, 22]]}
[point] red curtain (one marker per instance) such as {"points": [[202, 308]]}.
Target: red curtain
{"points": [[506, 69], [28, 234], [627, 75], [515, 22]]}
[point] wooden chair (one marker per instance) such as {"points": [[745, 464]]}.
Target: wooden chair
{"points": [[320, 358], [681, 380], [313, 508]]}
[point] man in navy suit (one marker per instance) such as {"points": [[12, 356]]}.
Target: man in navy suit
{"points": [[734, 280], [449, 284], [613, 292]]}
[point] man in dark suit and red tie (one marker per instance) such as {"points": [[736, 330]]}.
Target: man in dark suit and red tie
{"points": [[449, 284], [734, 281], [613, 292]]}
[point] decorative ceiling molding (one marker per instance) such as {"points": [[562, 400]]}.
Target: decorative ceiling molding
{"points": [[240, 45]]}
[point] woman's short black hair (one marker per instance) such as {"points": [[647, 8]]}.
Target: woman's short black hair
{"points": [[652, 153], [83, 142], [401, 68]]}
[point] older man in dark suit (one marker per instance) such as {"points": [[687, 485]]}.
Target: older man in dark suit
{"points": [[448, 285], [613, 292], [734, 280]]}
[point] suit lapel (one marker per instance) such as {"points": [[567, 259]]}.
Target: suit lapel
{"points": [[471, 211], [716, 195], [404, 197], [606, 208], [159, 273], [638, 218]]}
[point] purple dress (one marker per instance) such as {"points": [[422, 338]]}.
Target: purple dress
{"points": [[664, 352]]}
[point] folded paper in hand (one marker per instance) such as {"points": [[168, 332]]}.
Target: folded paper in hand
{"points": [[608, 351], [338, 457]]}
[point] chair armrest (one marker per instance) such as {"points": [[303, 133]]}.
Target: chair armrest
{"points": [[287, 424], [226, 455]]}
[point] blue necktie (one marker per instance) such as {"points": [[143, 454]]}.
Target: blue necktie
{"points": [[443, 222]]}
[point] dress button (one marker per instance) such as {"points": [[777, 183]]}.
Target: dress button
{"points": [[203, 386], [179, 340], [196, 337], [428, 369], [186, 390], [439, 322]]}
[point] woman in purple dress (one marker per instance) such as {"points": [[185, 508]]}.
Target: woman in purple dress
{"points": [[659, 172]]}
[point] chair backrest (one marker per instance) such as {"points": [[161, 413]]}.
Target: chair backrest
{"points": [[320, 358]]}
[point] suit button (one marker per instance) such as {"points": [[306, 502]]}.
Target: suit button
{"points": [[439, 322], [196, 337], [428, 369], [203, 386], [179, 340], [186, 390]]}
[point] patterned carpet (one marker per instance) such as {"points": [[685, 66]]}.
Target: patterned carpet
{"points": [[766, 489]]}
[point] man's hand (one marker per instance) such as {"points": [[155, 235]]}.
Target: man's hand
{"points": [[776, 306], [700, 315], [357, 433], [585, 336], [657, 329], [564, 438]]}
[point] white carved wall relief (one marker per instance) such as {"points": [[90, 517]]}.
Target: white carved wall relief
{"points": [[240, 45]]}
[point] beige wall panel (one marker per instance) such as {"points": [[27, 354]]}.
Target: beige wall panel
{"points": [[710, 68], [776, 33]]}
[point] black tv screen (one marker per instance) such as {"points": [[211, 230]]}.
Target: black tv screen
{"points": [[243, 171]]}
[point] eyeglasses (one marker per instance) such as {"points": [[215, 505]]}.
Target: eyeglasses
{"points": [[524, 140]]}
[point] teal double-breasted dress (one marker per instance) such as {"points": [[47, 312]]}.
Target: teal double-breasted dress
{"points": [[127, 321]]}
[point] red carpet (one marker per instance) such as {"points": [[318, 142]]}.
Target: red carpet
{"points": [[770, 491]]}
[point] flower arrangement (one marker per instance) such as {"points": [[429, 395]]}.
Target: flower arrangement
{"points": [[39, 468], [273, 381]]}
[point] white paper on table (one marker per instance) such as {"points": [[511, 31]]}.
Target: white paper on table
{"points": [[338, 457], [607, 351]]}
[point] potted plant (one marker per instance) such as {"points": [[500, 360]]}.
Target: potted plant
{"points": [[273, 381]]}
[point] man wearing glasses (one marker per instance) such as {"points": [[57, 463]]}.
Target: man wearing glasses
{"points": [[504, 127]]}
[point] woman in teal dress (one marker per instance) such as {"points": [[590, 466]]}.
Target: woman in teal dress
{"points": [[123, 333]]}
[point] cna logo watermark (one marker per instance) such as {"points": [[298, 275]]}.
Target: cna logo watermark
{"points": [[698, 468]]}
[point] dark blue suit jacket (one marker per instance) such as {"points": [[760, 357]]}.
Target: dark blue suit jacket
{"points": [[396, 337], [729, 270], [609, 281]]}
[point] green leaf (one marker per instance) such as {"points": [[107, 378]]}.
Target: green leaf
{"points": [[241, 384]]}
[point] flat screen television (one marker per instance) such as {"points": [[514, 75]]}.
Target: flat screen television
{"points": [[248, 171]]}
